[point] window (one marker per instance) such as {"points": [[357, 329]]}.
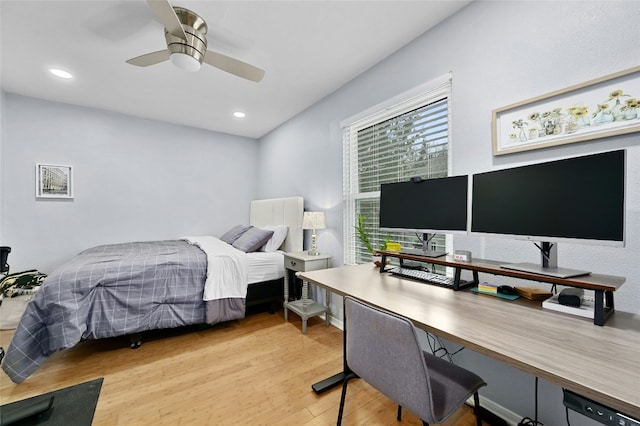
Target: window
{"points": [[408, 136]]}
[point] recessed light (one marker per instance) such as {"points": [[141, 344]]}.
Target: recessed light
{"points": [[239, 114], [60, 73]]}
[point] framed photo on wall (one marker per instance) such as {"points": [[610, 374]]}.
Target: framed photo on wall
{"points": [[604, 107], [54, 181]]}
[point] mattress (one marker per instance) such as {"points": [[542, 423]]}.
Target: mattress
{"points": [[265, 266]]}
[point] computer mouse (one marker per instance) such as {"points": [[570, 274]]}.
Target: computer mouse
{"points": [[506, 289]]}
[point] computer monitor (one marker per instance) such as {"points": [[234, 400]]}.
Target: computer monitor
{"points": [[578, 200], [425, 206]]}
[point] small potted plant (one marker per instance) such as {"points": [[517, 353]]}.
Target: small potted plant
{"points": [[363, 236]]}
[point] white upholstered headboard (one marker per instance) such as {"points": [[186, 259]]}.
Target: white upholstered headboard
{"points": [[281, 211]]}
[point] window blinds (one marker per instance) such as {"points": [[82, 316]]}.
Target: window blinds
{"points": [[410, 138]]}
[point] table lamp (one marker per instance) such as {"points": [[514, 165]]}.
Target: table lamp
{"points": [[313, 221]]}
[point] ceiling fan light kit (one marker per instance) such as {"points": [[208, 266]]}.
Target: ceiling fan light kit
{"points": [[185, 34], [185, 61]]}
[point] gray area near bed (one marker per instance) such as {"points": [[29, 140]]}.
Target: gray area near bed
{"points": [[115, 290]]}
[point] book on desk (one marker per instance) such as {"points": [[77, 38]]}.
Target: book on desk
{"points": [[487, 288]]}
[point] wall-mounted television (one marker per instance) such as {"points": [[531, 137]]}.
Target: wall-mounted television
{"points": [[579, 200], [425, 206]]}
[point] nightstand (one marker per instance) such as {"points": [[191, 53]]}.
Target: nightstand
{"points": [[305, 307]]}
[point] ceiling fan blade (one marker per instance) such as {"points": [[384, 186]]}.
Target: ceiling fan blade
{"points": [[150, 58], [233, 66], [167, 17]]}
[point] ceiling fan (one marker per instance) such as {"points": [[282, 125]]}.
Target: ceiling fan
{"points": [[185, 33]]}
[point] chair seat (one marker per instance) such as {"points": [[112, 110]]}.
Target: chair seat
{"points": [[450, 384]]}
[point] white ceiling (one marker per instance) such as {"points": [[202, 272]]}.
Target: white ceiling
{"points": [[307, 48]]}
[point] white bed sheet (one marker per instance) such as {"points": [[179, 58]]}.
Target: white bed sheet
{"points": [[227, 268], [265, 266]]}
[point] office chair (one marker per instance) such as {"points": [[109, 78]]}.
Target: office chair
{"points": [[383, 349]]}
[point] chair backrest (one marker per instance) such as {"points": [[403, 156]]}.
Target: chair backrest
{"points": [[383, 349]]}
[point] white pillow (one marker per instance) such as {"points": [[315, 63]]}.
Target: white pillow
{"points": [[279, 235]]}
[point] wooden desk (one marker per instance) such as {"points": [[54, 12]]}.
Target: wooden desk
{"points": [[600, 363]]}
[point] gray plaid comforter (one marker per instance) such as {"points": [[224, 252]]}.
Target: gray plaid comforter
{"points": [[114, 290]]}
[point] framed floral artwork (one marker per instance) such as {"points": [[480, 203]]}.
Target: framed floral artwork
{"points": [[53, 181], [603, 107]]}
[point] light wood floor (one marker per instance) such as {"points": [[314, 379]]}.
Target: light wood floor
{"points": [[255, 371]]}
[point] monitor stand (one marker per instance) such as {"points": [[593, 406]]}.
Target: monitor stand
{"points": [[423, 253], [548, 266], [540, 270]]}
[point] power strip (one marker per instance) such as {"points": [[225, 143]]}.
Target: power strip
{"points": [[598, 412]]}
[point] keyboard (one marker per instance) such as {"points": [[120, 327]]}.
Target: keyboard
{"points": [[421, 275]]}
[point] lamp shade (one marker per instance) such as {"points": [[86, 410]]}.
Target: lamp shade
{"points": [[313, 220]]}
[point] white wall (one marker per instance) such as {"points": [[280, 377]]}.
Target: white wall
{"points": [[134, 180], [499, 53]]}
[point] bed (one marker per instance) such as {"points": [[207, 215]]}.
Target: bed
{"points": [[128, 288]]}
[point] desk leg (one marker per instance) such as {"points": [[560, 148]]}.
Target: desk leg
{"points": [[329, 382], [305, 304], [327, 305], [336, 379]]}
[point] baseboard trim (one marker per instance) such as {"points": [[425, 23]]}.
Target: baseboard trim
{"points": [[337, 323]]}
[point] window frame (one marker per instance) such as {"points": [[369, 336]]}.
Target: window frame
{"points": [[418, 97]]}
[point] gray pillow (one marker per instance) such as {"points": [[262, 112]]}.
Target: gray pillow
{"points": [[234, 233], [252, 239]]}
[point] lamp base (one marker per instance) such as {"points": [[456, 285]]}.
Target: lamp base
{"points": [[314, 244]]}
